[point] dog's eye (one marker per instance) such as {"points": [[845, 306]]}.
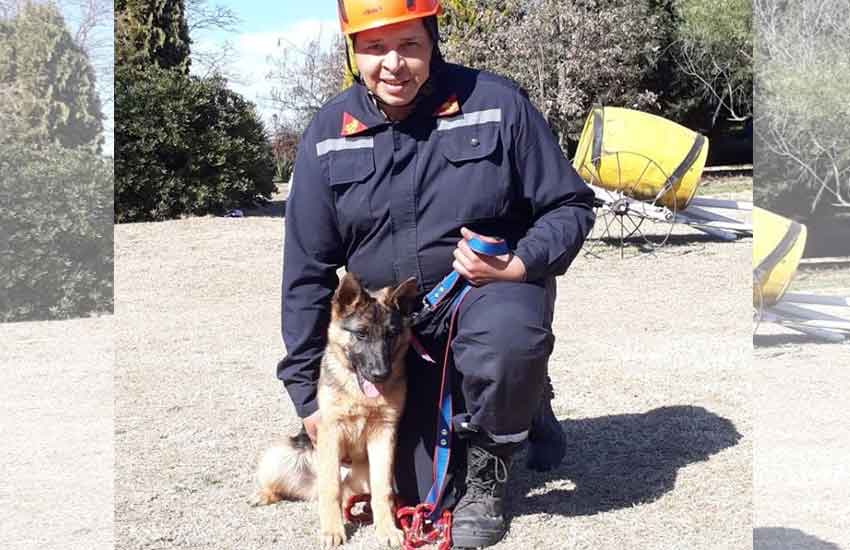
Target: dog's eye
{"points": [[360, 334]]}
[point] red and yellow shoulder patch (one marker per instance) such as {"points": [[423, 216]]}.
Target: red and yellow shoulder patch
{"points": [[351, 125], [449, 107]]}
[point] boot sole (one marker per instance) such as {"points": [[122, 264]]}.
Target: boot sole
{"points": [[478, 539]]}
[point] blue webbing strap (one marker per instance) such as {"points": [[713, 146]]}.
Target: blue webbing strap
{"points": [[442, 450], [487, 248], [445, 287]]}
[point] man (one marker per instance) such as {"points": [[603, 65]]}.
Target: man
{"points": [[393, 179]]}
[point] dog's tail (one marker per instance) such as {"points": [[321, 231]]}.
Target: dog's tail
{"points": [[287, 471]]}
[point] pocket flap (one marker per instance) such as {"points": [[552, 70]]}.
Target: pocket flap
{"points": [[351, 166], [469, 142]]}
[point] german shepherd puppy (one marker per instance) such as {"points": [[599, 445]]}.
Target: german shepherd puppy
{"points": [[361, 394]]}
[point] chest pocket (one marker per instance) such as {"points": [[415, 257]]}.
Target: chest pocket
{"points": [[477, 173], [349, 172]]}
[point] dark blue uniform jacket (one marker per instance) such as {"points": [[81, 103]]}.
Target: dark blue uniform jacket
{"points": [[387, 200]]}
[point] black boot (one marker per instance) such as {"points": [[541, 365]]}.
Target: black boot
{"points": [[479, 517], [547, 442]]}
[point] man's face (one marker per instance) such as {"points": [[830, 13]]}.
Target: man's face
{"points": [[394, 61]]}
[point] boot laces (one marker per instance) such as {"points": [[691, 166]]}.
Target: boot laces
{"points": [[480, 479]]}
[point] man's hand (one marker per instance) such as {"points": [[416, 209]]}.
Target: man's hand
{"points": [[480, 269], [311, 425]]}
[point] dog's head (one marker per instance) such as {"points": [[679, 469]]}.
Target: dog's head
{"points": [[370, 330]]}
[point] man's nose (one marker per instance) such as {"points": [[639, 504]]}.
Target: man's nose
{"points": [[393, 61]]}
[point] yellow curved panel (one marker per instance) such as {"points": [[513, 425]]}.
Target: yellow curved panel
{"points": [[638, 153], [778, 244]]}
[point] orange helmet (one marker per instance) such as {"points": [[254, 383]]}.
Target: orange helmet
{"points": [[360, 15]]}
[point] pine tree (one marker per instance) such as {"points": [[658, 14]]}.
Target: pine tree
{"points": [[152, 32], [47, 84]]}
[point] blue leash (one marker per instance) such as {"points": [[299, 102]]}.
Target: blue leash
{"points": [[445, 286], [442, 451]]}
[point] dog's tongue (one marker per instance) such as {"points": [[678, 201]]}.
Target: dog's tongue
{"points": [[369, 389]]}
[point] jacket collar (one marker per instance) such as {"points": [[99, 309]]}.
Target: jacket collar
{"points": [[361, 114]]}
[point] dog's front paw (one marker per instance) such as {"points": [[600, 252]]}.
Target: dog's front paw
{"points": [[333, 536], [389, 535]]}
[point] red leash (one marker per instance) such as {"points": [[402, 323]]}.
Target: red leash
{"points": [[419, 530], [412, 520]]}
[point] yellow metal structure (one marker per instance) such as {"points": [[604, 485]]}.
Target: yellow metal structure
{"points": [[638, 154], [778, 244]]}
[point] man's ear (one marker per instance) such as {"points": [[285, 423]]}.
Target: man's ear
{"points": [[403, 297], [349, 294]]}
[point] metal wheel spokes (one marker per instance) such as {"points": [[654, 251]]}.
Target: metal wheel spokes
{"points": [[653, 219], [600, 235], [603, 230], [629, 216]]}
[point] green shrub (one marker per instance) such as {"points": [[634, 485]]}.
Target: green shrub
{"points": [[56, 224], [47, 83], [568, 56], [185, 145], [152, 32], [573, 56], [714, 52], [802, 147]]}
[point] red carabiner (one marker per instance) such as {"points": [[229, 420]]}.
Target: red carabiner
{"points": [[419, 531], [444, 527], [364, 517]]}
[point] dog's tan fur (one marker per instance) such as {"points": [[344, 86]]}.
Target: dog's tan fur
{"points": [[353, 427]]}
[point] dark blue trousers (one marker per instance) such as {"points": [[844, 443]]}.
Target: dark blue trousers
{"points": [[500, 350]]}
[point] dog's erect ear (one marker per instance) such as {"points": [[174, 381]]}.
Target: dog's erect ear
{"points": [[348, 295], [403, 297]]}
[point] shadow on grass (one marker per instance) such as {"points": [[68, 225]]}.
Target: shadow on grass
{"points": [[638, 247], [781, 538], [622, 460], [786, 339], [675, 240]]}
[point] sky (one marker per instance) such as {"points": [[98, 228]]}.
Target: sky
{"points": [[265, 15], [266, 24]]}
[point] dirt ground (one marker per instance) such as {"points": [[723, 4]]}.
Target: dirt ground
{"points": [[802, 440], [650, 366], [651, 369], [56, 429]]}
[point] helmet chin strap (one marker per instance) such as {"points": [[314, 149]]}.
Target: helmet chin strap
{"points": [[380, 102], [424, 91]]}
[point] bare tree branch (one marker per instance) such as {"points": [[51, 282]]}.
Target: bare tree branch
{"points": [[220, 58], [201, 15], [304, 78], [803, 111]]}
